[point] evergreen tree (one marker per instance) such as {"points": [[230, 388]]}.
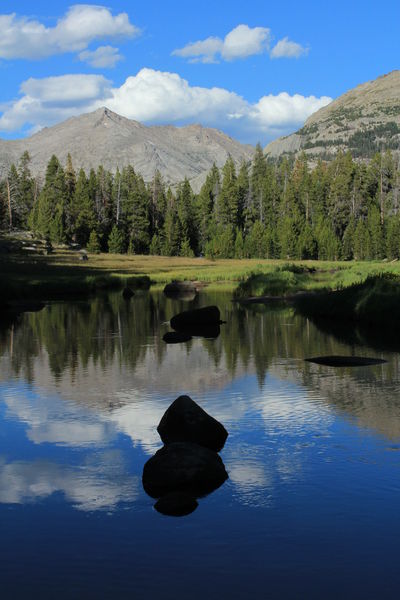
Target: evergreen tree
{"points": [[227, 203], [84, 215], [93, 243], [116, 241], [49, 215]]}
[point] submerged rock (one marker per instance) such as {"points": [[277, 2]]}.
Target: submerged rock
{"points": [[176, 337], [180, 289], [183, 467], [346, 361], [176, 504], [127, 293], [186, 421], [208, 315]]}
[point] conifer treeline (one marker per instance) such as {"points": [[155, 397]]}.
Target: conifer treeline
{"points": [[338, 210]]}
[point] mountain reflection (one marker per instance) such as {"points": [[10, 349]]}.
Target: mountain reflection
{"points": [[85, 378]]}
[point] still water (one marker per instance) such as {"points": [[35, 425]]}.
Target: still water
{"points": [[311, 506]]}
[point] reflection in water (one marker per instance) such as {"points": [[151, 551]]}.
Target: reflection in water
{"points": [[82, 386]]}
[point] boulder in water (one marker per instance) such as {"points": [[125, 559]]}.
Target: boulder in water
{"points": [[186, 421], [346, 361], [208, 315], [176, 504], [185, 290], [176, 337], [183, 467], [127, 293]]}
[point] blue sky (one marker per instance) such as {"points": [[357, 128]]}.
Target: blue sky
{"points": [[254, 69]]}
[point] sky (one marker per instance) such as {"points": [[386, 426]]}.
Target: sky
{"points": [[253, 69]]}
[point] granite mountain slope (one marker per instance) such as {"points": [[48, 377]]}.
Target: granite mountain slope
{"points": [[104, 137], [364, 121]]}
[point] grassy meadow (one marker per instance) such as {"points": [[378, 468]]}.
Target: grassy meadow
{"points": [[27, 272]]}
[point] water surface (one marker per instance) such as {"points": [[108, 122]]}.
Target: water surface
{"points": [[310, 509]]}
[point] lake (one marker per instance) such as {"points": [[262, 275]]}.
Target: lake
{"points": [[310, 509]]}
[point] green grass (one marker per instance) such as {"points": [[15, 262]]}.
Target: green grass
{"points": [[374, 301], [61, 274]]}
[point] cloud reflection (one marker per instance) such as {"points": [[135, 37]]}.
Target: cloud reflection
{"points": [[87, 487]]}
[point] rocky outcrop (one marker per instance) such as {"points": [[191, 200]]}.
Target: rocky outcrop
{"points": [[186, 421], [363, 120]]}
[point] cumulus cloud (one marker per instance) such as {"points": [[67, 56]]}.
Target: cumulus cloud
{"points": [[23, 37], [158, 97], [287, 49], [241, 42], [104, 57]]}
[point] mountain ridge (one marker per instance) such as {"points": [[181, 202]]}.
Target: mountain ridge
{"points": [[106, 138], [363, 120]]}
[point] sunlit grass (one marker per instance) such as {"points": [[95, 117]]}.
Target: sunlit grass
{"points": [[63, 272]]}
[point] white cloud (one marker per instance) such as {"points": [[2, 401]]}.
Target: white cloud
{"points": [[52, 99], [104, 57], [202, 51], [158, 97], [287, 49], [23, 37], [241, 42], [244, 41]]}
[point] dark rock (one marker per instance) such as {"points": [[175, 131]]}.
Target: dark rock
{"points": [[184, 290], [83, 257], [345, 361], [127, 293], [176, 337], [210, 332], [186, 421], [176, 504], [208, 315], [26, 306], [183, 467]]}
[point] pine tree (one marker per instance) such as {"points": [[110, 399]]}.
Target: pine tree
{"points": [[84, 217], [93, 245], [116, 241], [49, 215], [227, 203]]}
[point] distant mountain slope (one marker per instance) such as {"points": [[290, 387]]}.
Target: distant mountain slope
{"points": [[103, 137], [363, 120]]}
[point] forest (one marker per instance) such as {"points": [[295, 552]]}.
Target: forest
{"points": [[339, 210]]}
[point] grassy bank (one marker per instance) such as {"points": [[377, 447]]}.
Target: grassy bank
{"points": [[375, 301], [32, 274]]}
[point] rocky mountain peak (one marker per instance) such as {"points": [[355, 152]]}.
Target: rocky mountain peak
{"points": [[363, 120]]}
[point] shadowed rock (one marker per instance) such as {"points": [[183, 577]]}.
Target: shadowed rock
{"points": [[186, 421], [199, 317], [176, 504], [210, 332], [183, 467], [346, 361], [176, 337], [184, 290], [127, 293]]}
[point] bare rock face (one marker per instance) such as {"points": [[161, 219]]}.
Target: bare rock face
{"points": [[105, 138], [186, 421], [361, 121], [183, 467]]}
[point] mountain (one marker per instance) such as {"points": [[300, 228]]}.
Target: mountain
{"points": [[364, 120], [103, 137]]}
